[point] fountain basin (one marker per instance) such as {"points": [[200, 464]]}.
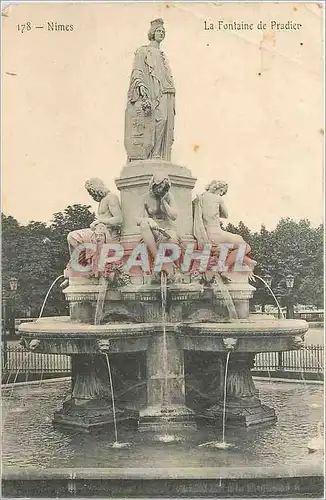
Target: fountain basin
{"points": [[267, 462], [60, 335], [165, 386]]}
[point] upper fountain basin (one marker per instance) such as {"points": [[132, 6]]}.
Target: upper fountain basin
{"points": [[60, 335]]}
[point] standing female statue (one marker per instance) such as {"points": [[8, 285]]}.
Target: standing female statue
{"points": [[151, 101]]}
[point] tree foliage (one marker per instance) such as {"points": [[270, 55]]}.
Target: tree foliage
{"points": [[37, 253], [292, 248]]}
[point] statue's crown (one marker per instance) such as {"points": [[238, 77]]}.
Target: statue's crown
{"points": [[156, 23]]}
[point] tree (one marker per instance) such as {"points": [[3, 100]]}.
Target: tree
{"points": [[37, 254], [294, 248]]}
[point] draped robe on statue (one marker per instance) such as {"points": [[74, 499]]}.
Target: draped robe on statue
{"points": [[151, 70]]}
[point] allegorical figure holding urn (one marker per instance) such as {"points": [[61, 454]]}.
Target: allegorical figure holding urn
{"points": [[151, 101]]}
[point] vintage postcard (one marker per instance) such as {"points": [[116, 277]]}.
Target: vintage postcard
{"points": [[162, 249]]}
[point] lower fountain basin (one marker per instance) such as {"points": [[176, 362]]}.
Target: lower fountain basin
{"points": [[235, 344], [39, 460], [60, 335]]}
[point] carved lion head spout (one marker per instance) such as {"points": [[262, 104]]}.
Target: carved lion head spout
{"points": [[103, 345], [230, 343], [297, 342]]}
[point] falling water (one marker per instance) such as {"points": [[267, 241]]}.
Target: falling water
{"points": [[165, 438], [165, 350], [269, 288], [103, 282], [41, 377], [226, 297], [100, 300], [48, 293], [113, 401], [217, 444], [14, 382], [302, 373], [18, 369], [116, 443], [224, 396]]}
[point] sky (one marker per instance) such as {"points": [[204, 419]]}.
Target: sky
{"points": [[249, 105]]}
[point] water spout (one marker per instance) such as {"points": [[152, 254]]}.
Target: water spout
{"points": [[224, 396], [233, 315], [217, 444], [116, 443], [274, 297], [100, 300], [48, 293], [165, 350], [14, 382]]}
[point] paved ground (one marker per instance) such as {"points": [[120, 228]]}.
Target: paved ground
{"points": [[315, 336]]}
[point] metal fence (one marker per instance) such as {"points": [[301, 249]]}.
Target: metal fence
{"points": [[17, 359], [310, 359]]}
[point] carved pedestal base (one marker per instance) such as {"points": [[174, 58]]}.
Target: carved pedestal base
{"points": [[238, 415], [243, 407], [166, 419], [166, 409], [90, 406], [94, 416]]}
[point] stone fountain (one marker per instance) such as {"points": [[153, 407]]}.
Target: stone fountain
{"points": [[152, 317]]}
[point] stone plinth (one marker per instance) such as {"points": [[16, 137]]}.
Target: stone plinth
{"points": [[90, 406], [142, 302], [133, 184], [165, 386], [243, 407]]}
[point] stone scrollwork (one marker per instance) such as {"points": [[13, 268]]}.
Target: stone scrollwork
{"points": [[117, 277], [297, 342], [34, 344]]}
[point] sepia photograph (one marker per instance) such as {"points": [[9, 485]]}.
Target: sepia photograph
{"points": [[162, 244]]}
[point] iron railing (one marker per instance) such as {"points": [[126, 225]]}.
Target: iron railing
{"points": [[309, 359], [16, 359]]}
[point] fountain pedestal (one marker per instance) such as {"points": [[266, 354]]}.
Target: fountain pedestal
{"points": [[89, 406], [165, 387], [243, 407]]}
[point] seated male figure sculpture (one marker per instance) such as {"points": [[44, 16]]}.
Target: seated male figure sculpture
{"points": [[157, 225], [106, 226], [209, 208]]}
